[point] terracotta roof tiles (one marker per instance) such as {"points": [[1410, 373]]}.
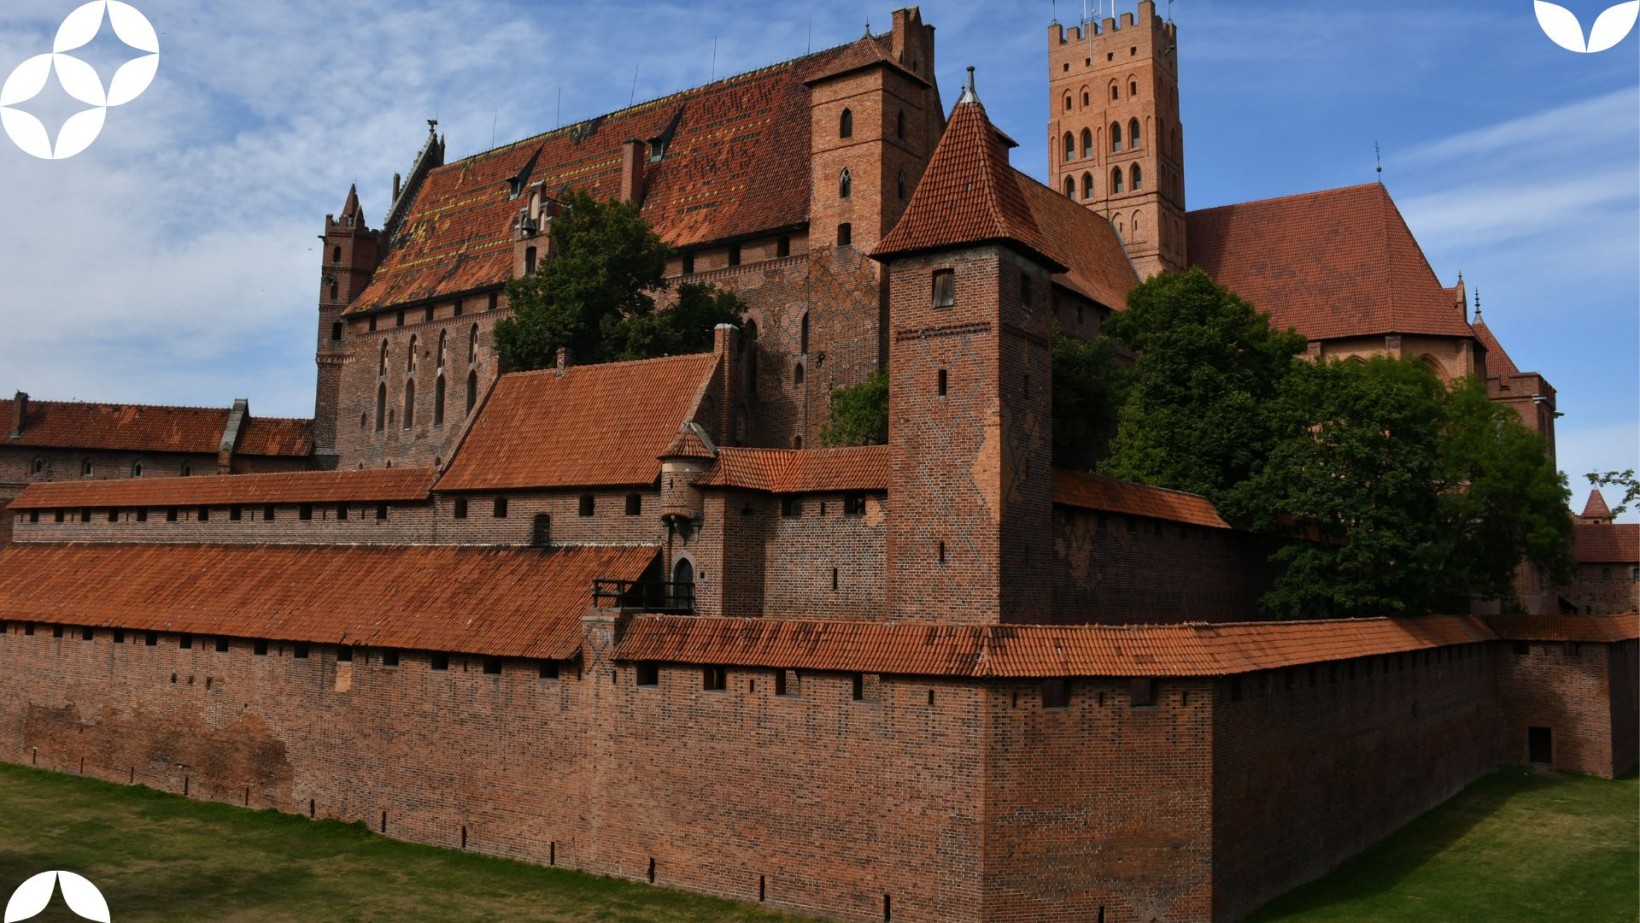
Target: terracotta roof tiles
{"points": [[1336, 263], [275, 436], [982, 651], [506, 602], [1084, 241], [380, 485], [1107, 494], [592, 426], [788, 471], [150, 428], [1597, 628], [1595, 507], [690, 442], [1606, 543], [1498, 362]]}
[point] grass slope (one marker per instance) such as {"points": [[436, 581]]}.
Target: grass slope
{"points": [[1515, 846], [158, 856]]}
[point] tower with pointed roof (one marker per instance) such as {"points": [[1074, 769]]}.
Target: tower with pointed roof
{"points": [[970, 281], [1115, 140], [349, 256]]}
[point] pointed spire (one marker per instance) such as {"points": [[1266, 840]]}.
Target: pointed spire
{"points": [[1596, 510], [351, 208], [1477, 305], [968, 94]]}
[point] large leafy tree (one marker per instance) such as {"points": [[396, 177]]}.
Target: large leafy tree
{"points": [[1624, 479], [596, 294], [1090, 385], [859, 414], [1207, 363]]}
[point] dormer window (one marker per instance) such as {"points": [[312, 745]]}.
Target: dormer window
{"points": [[657, 149]]}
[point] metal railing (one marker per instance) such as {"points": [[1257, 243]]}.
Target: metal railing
{"points": [[644, 595]]}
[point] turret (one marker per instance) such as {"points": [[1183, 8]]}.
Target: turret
{"points": [[690, 455], [349, 257]]}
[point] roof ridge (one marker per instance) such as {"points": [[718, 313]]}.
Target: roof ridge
{"points": [[552, 370], [1314, 193], [35, 402]]}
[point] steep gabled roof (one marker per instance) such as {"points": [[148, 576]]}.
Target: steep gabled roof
{"points": [[150, 428], [968, 195], [380, 485], [1107, 494], [736, 163], [1498, 361], [504, 602], [794, 471], [1606, 543], [1595, 507], [1337, 263], [592, 426], [935, 649]]}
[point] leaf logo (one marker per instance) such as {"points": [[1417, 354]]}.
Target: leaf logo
{"points": [[1611, 27], [32, 897]]}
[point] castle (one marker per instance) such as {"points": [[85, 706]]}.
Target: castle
{"points": [[628, 618]]}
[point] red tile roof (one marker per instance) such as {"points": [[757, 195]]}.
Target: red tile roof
{"points": [[374, 486], [787, 471], [1598, 628], [931, 649], [149, 428], [737, 164], [690, 442], [506, 602], [1498, 362], [1595, 507], [1606, 543], [1084, 241], [592, 426], [277, 436], [1097, 492], [1337, 263]]}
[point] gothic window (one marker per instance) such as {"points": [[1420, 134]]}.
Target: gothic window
{"points": [[85, 468], [899, 125], [442, 336], [39, 466], [336, 254], [1070, 188], [1070, 147], [845, 234], [1115, 137], [1114, 93], [1133, 134], [1087, 142], [472, 391], [803, 334], [410, 359], [1087, 185], [945, 288], [845, 128], [683, 585], [1133, 88], [901, 185], [332, 289], [472, 345], [1136, 178], [1136, 219], [1116, 181], [187, 469], [845, 184], [438, 402], [409, 403], [136, 468], [1025, 291], [1067, 102], [1085, 98], [382, 368]]}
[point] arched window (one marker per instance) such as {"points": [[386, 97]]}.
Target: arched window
{"points": [[381, 407], [442, 335], [1067, 102], [803, 334], [187, 469], [845, 184], [39, 466], [409, 403], [529, 261], [336, 254], [472, 345], [438, 401], [900, 185], [683, 585], [1138, 179], [1087, 142], [1114, 93], [1133, 133], [797, 442], [845, 126], [472, 391], [1087, 185], [1115, 136], [85, 468], [382, 368], [1135, 225], [1116, 181], [1085, 98], [899, 125], [410, 360], [332, 289], [1070, 188], [845, 234], [136, 468], [797, 374], [1070, 147], [1133, 88]]}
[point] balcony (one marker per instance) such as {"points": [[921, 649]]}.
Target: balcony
{"points": [[644, 596]]}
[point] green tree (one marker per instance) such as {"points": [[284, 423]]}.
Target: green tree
{"points": [[1207, 363], [1090, 385], [859, 414], [596, 294], [1624, 479]]}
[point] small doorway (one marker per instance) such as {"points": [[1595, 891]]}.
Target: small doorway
{"points": [[1540, 745], [683, 586]]}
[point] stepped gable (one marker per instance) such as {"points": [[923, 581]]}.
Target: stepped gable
{"points": [[1595, 507], [1606, 543], [587, 426], [968, 195], [502, 602], [1107, 494], [380, 485], [981, 651], [1337, 263], [791, 471], [736, 163]]}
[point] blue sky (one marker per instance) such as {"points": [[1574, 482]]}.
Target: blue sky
{"points": [[175, 260]]}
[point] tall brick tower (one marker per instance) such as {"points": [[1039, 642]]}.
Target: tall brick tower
{"points": [[350, 254], [970, 283], [1115, 141]]}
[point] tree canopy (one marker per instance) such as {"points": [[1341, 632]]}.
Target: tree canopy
{"points": [[859, 414], [1090, 386], [596, 294], [1624, 479]]}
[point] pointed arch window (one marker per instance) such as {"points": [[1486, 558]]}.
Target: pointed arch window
{"points": [[1116, 181], [1137, 179], [901, 185], [1087, 185], [410, 359], [1133, 88], [1115, 136], [529, 261], [1087, 142], [443, 335], [1085, 98], [797, 374], [136, 468], [1133, 134], [1070, 147], [472, 391], [1114, 92], [438, 401], [1067, 102], [85, 468], [845, 125], [409, 403], [845, 184], [381, 407], [472, 345], [382, 368], [39, 466], [1070, 188], [803, 334], [336, 254]]}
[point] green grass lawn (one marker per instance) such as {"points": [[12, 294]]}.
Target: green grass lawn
{"points": [[1515, 847], [158, 856]]}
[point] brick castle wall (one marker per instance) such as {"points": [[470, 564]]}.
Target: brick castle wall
{"points": [[1580, 692]]}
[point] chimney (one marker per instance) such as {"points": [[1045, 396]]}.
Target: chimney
{"points": [[563, 360], [19, 410], [396, 187], [632, 161]]}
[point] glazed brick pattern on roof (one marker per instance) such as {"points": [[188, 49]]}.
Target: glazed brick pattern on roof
{"points": [[504, 602], [592, 426], [381, 485], [1106, 494], [275, 436], [1606, 543], [737, 164], [791, 471], [1606, 629], [1026, 651], [1331, 264]]}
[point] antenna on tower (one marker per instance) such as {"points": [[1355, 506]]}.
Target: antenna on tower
{"points": [[1169, 10], [714, 57], [634, 95], [1378, 155], [559, 115], [1055, 10], [809, 49]]}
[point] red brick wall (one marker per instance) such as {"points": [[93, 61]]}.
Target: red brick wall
{"points": [[1305, 776], [1623, 680], [803, 551], [1123, 569], [1573, 690], [1605, 588]]}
